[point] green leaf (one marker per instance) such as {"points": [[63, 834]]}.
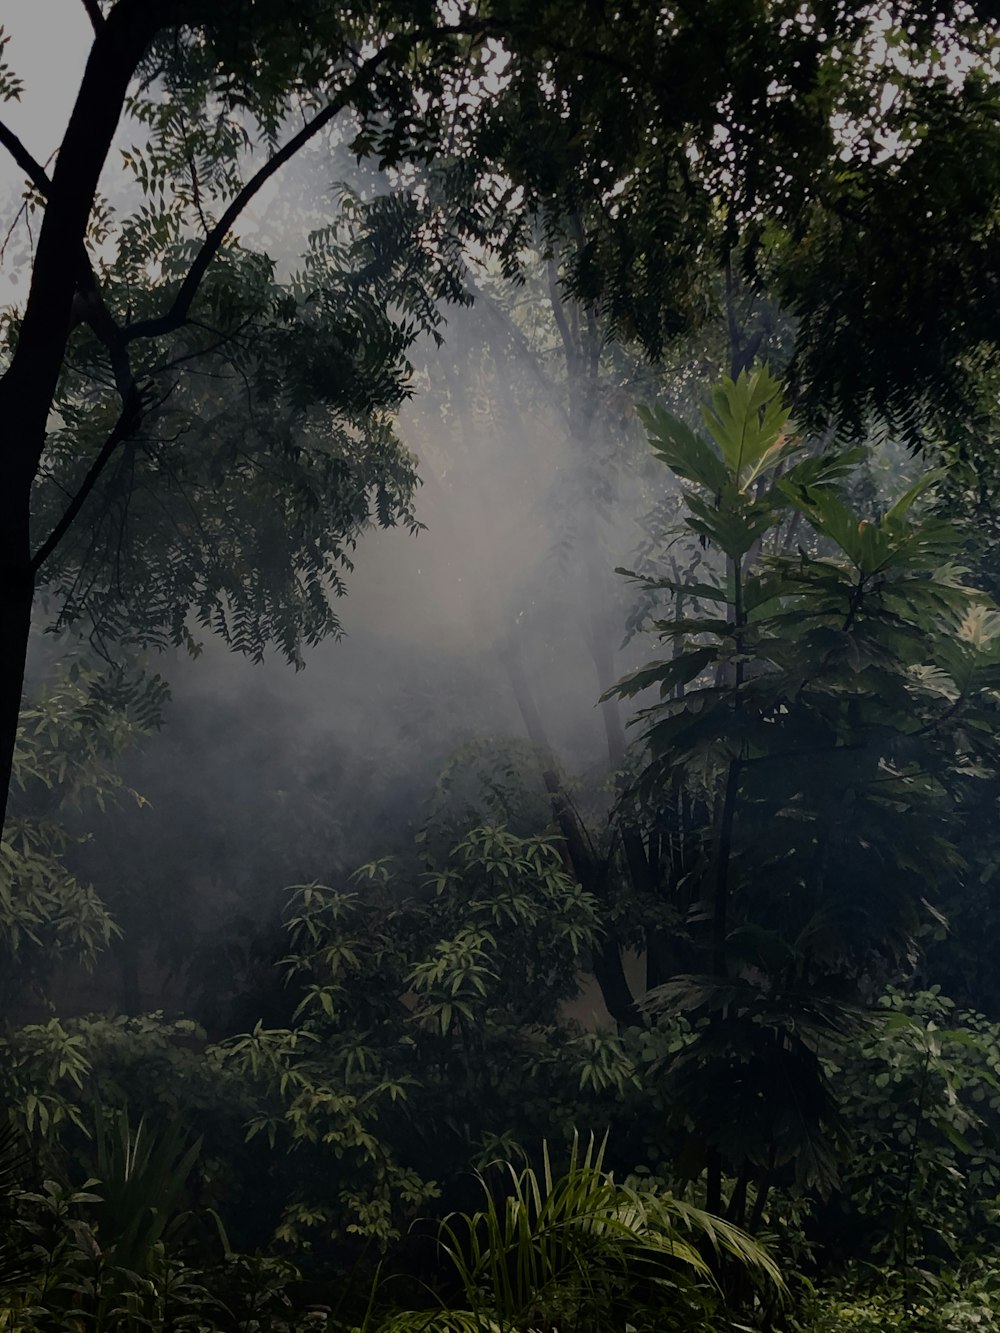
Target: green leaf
{"points": [[750, 424], [684, 452], [898, 510]]}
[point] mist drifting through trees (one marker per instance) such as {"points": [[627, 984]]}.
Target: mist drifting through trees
{"points": [[500, 666]]}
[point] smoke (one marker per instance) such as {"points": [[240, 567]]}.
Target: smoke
{"points": [[262, 776]]}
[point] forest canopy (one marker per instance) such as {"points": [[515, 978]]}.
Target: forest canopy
{"points": [[600, 936]]}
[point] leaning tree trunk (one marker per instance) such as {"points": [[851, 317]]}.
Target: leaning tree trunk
{"points": [[579, 856]]}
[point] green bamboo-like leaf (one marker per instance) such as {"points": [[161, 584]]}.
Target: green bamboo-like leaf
{"points": [[580, 1233]]}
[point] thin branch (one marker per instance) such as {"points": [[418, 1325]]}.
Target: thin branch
{"points": [[128, 422], [21, 213], [32, 169], [198, 353]]}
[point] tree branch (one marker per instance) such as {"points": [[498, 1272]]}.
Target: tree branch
{"points": [[177, 314], [94, 13], [28, 385], [128, 422], [570, 349], [32, 169], [520, 341], [90, 307]]}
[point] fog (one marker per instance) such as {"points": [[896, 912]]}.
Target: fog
{"points": [[264, 776], [478, 647]]}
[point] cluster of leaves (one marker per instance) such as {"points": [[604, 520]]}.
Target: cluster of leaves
{"points": [[579, 1250], [962, 1305], [237, 505], [71, 736], [420, 1023], [73, 1274], [420, 1017], [105, 1257], [921, 1093]]}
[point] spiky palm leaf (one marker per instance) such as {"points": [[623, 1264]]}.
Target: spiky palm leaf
{"points": [[141, 1175], [579, 1239]]}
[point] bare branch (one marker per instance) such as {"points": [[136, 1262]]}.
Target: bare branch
{"points": [[32, 169]]}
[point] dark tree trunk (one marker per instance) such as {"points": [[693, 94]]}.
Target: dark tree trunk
{"points": [[16, 587], [580, 858], [28, 388], [15, 617]]}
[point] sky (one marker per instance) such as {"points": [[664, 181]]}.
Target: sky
{"points": [[49, 41], [50, 68]]}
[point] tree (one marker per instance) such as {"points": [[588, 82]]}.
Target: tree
{"points": [[825, 712], [416, 1034], [209, 81]]}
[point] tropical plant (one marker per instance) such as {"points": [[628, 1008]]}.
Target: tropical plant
{"points": [[140, 1175], [57, 1072], [73, 1282], [824, 711], [576, 1250], [420, 1017], [921, 1096]]}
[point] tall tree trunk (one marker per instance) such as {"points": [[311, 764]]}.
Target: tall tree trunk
{"points": [[28, 387], [16, 593], [15, 617], [579, 857]]}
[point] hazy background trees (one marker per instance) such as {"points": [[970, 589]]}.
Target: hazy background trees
{"points": [[414, 366]]}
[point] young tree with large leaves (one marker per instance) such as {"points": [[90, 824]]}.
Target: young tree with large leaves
{"points": [[827, 705]]}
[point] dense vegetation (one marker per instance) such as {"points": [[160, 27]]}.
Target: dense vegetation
{"points": [[686, 319]]}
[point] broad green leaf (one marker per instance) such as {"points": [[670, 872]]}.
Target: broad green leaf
{"points": [[677, 671], [684, 452], [898, 510], [750, 424]]}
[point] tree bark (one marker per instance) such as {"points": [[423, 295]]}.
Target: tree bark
{"points": [[16, 595], [579, 856], [28, 387]]}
